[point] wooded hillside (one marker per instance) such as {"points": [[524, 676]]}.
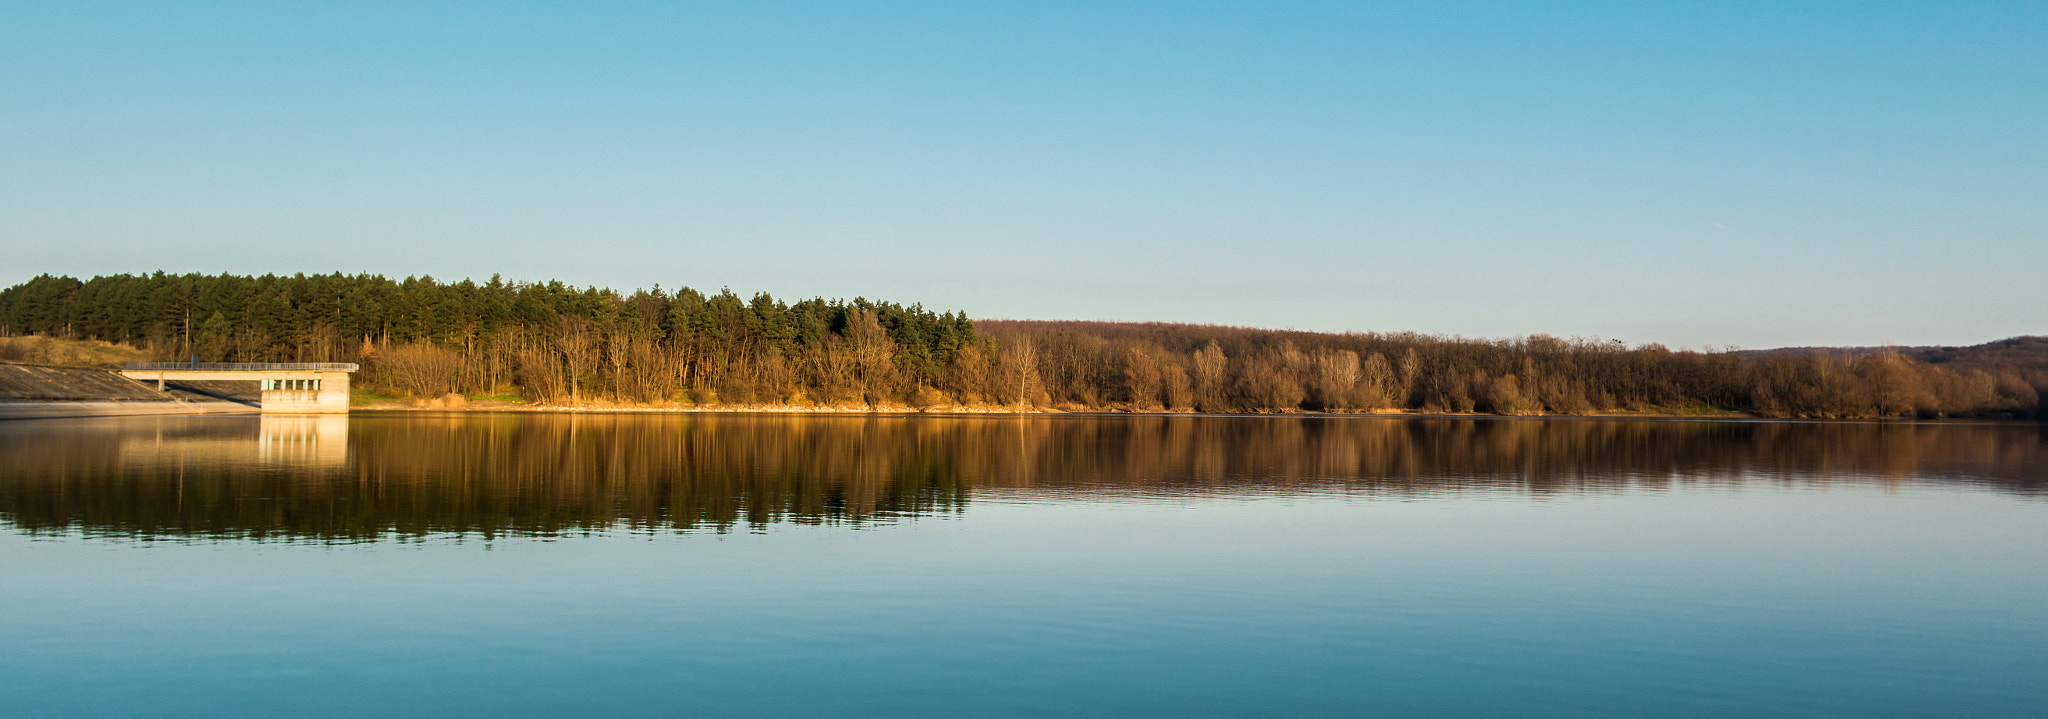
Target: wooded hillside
{"points": [[555, 343]]}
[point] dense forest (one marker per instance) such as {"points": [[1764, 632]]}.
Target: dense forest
{"points": [[556, 344]]}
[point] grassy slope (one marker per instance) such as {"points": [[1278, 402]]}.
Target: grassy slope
{"points": [[67, 353]]}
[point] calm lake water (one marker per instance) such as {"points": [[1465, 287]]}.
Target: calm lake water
{"points": [[631, 565]]}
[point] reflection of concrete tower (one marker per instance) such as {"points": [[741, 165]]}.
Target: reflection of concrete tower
{"points": [[317, 440]]}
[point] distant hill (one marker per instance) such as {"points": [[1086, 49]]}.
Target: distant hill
{"points": [[2027, 354]]}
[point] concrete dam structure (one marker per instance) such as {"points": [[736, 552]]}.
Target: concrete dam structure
{"points": [[287, 387]]}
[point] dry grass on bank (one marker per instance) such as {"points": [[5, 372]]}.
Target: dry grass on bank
{"points": [[35, 349]]}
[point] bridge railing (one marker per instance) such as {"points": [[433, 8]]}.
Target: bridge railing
{"points": [[244, 366]]}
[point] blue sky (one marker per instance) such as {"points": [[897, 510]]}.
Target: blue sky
{"points": [[1749, 174]]}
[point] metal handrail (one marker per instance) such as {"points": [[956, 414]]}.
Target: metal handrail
{"points": [[244, 366]]}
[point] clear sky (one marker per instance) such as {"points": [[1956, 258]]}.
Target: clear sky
{"points": [[1728, 173]]}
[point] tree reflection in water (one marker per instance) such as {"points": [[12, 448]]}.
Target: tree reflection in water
{"points": [[412, 476]]}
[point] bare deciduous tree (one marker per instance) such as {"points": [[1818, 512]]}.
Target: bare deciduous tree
{"points": [[872, 351], [1141, 379], [575, 342], [423, 369], [1018, 367], [1209, 365]]}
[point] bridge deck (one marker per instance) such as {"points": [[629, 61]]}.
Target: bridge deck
{"points": [[243, 366], [297, 387]]}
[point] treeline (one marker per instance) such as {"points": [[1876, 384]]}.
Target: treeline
{"points": [[554, 343], [1233, 369], [2024, 353], [549, 342]]}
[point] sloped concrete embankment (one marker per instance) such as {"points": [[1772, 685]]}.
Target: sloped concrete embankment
{"points": [[28, 390]]}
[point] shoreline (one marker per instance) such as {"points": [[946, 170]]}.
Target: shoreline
{"points": [[74, 409], [79, 409], [963, 410], [959, 411], [56, 409], [967, 412]]}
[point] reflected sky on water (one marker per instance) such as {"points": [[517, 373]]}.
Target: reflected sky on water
{"points": [[522, 564]]}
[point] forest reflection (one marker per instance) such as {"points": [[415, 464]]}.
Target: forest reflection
{"points": [[412, 476]]}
